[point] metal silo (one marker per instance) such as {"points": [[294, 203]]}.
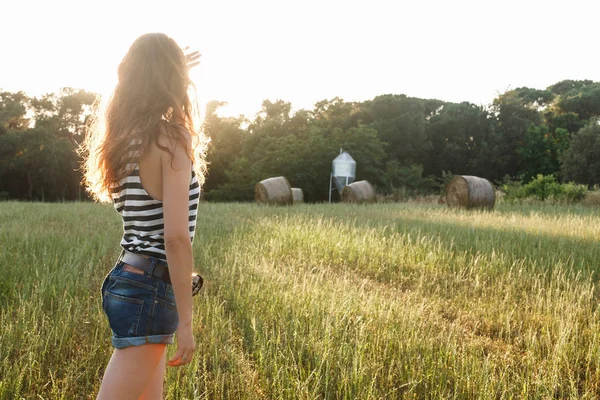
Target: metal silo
{"points": [[343, 172]]}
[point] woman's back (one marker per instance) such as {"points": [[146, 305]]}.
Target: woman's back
{"points": [[142, 212]]}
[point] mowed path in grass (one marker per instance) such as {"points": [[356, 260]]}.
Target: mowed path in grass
{"points": [[322, 302]]}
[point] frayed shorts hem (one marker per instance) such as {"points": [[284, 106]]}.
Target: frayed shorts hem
{"points": [[123, 342]]}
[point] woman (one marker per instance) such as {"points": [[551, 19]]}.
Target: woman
{"points": [[147, 157]]}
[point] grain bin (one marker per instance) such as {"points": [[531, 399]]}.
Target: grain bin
{"points": [[275, 191], [470, 192], [343, 172], [358, 192], [297, 195]]}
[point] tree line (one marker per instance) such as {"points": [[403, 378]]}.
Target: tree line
{"points": [[398, 142]]}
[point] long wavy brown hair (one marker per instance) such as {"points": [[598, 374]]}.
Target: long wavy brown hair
{"points": [[151, 98]]}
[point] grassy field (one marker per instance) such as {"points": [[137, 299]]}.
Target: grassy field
{"points": [[322, 302]]}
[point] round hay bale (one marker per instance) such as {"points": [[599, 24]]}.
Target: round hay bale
{"points": [[358, 192], [470, 192], [274, 191], [297, 195]]}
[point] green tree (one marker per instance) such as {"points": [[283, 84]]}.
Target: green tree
{"points": [[13, 112], [535, 98], [581, 162], [305, 160], [460, 138], [408, 177], [401, 124], [568, 121], [66, 114], [541, 150], [38, 159], [572, 106], [569, 85], [585, 102], [336, 113], [514, 115], [38, 140], [225, 146]]}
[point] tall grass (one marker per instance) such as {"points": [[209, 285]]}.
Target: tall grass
{"points": [[322, 302]]}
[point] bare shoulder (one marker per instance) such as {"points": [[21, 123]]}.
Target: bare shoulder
{"points": [[174, 143]]}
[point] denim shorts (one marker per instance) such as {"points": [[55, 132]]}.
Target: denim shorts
{"points": [[140, 308]]}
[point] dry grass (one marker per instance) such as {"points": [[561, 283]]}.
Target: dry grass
{"points": [[592, 198], [385, 301]]}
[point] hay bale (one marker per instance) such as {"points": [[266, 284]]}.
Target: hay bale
{"points": [[297, 195], [274, 191], [470, 192], [358, 192]]}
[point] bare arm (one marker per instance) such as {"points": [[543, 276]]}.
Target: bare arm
{"points": [[176, 174]]}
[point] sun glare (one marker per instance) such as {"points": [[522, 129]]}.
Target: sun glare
{"points": [[304, 52]]}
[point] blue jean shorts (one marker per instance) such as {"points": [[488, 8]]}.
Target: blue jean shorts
{"points": [[141, 309]]}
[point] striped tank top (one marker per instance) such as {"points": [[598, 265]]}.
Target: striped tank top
{"points": [[143, 223]]}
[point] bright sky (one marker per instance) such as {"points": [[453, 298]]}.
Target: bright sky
{"points": [[304, 51]]}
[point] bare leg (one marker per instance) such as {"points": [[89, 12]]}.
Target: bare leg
{"points": [[154, 390], [129, 371]]}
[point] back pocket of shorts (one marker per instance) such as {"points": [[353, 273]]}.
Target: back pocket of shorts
{"points": [[165, 318], [123, 313]]}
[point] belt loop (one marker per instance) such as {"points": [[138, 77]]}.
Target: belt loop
{"points": [[152, 266]]}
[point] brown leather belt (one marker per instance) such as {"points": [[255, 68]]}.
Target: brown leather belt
{"points": [[152, 266]]}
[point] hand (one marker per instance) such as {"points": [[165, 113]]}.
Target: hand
{"points": [[192, 57], [185, 347]]}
